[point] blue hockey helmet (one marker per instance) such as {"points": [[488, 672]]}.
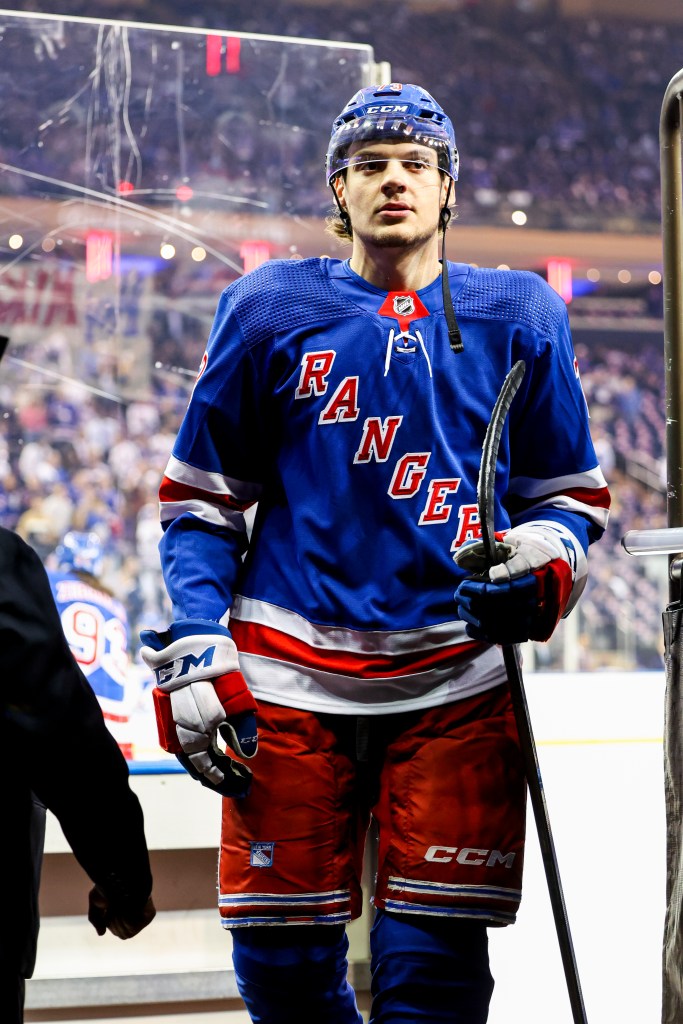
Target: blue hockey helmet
{"points": [[81, 552], [405, 113]]}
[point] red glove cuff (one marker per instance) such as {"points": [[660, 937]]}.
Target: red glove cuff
{"points": [[233, 693], [555, 583], [168, 737]]}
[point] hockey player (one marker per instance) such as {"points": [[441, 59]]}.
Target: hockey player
{"points": [[95, 624], [350, 400]]}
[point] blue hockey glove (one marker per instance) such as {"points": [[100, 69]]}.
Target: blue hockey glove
{"points": [[201, 694], [522, 598]]}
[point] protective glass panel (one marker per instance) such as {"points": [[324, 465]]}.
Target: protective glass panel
{"points": [[142, 169]]}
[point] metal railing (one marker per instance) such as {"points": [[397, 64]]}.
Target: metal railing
{"points": [[669, 541]]}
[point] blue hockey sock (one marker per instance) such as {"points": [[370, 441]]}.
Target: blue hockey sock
{"points": [[429, 969], [290, 974]]}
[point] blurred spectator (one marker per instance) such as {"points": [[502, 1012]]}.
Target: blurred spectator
{"points": [[95, 625], [570, 106]]}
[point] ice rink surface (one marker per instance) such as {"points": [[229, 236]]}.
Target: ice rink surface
{"points": [[599, 741]]}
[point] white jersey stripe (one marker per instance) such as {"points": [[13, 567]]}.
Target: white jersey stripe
{"points": [[263, 899], [314, 690], [531, 487], [340, 638], [562, 501], [246, 922], [450, 889], [204, 510], [499, 916]]}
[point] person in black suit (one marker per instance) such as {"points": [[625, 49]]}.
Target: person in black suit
{"points": [[56, 752]]}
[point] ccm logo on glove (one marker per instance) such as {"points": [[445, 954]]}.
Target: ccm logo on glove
{"points": [[181, 668]]}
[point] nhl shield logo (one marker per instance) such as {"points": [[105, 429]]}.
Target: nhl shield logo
{"points": [[404, 305], [261, 855]]}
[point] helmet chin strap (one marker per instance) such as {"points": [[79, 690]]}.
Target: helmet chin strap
{"points": [[346, 220], [454, 335]]}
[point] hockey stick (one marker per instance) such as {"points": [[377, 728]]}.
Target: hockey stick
{"points": [[495, 553]]}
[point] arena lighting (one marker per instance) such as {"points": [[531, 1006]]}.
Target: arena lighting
{"points": [[214, 46], [198, 254], [593, 274], [167, 251], [48, 244], [502, 266], [15, 241], [124, 187], [654, 277], [99, 255], [232, 55], [560, 278], [253, 254], [518, 217], [214, 53], [184, 193], [624, 276]]}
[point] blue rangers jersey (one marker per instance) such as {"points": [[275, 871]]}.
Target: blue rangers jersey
{"points": [[342, 412], [95, 625]]}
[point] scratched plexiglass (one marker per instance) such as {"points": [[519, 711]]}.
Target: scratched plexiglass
{"points": [[142, 169]]}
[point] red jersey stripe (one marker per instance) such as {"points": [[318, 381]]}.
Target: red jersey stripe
{"points": [[594, 497], [253, 638], [173, 490]]}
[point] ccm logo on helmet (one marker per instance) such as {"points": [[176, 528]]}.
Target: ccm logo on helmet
{"points": [[469, 855], [387, 108]]}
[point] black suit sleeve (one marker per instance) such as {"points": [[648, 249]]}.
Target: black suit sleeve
{"points": [[53, 737]]}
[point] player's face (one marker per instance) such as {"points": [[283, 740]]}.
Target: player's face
{"points": [[393, 192]]}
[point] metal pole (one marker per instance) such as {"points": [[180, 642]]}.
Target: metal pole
{"points": [[669, 540], [672, 248]]}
